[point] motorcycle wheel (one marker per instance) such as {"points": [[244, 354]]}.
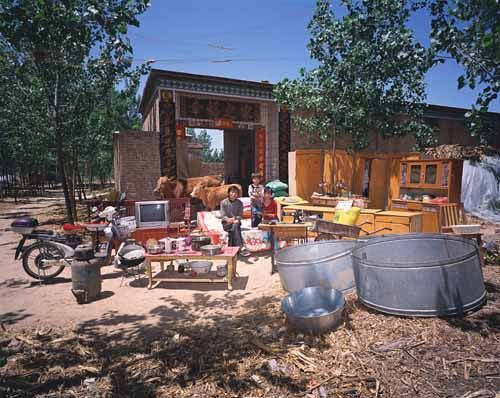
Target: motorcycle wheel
{"points": [[33, 263]]}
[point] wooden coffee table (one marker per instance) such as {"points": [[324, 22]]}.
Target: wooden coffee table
{"points": [[228, 254]]}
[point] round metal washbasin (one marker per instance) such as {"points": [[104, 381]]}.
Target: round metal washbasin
{"points": [[419, 274], [314, 309], [326, 264]]}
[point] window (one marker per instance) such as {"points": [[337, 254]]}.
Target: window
{"points": [[445, 174], [415, 171], [404, 170], [366, 178], [431, 174]]}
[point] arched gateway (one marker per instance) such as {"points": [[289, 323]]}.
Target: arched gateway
{"points": [[256, 132]]}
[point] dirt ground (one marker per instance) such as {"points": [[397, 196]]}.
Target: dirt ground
{"points": [[200, 340], [25, 302]]}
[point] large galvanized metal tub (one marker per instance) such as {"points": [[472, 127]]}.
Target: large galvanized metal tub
{"points": [[419, 274], [325, 264]]}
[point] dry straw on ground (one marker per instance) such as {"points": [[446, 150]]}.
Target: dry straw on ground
{"points": [[254, 354]]}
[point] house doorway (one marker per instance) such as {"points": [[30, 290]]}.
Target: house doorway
{"points": [[206, 147], [239, 157]]}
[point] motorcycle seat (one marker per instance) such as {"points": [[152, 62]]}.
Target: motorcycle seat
{"points": [[72, 227]]}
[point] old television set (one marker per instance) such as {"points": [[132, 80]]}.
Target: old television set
{"points": [[152, 214]]}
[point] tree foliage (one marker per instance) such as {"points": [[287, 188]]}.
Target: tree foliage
{"points": [[72, 53], [370, 71], [469, 30]]}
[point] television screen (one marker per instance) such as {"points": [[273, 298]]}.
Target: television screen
{"points": [[153, 213]]}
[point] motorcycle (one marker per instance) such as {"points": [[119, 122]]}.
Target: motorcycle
{"points": [[47, 257]]}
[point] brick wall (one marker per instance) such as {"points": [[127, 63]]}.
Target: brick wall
{"points": [[212, 168], [450, 132], [136, 163]]}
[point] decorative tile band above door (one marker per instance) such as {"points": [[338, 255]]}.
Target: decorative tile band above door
{"points": [[209, 108]]}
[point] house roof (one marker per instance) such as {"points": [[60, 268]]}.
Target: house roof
{"points": [[203, 83], [248, 88]]}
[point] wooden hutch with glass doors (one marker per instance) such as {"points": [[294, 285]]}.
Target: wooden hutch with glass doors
{"points": [[428, 186]]}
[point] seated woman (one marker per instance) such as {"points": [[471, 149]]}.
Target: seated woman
{"points": [[231, 210]]}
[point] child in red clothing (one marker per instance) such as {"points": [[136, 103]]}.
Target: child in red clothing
{"points": [[269, 206]]}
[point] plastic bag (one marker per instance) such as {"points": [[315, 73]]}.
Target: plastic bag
{"points": [[277, 185], [481, 188]]}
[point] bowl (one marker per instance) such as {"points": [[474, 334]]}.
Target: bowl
{"points": [[314, 310], [211, 250], [201, 267], [198, 241]]}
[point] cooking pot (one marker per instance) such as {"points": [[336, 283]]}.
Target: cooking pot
{"points": [[180, 244], [198, 241], [131, 255], [211, 250], [168, 245]]}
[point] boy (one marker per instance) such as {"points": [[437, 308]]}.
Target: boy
{"points": [[256, 195], [231, 210]]}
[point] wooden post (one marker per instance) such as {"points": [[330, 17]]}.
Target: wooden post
{"points": [[334, 135], [168, 158]]}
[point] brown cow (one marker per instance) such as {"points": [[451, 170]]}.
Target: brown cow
{"points": [[212, 196], [171, 188]]}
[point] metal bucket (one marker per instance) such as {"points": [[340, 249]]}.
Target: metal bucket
{"points": [[314, 309], [419, 274], [325, 264], [86, 279]]}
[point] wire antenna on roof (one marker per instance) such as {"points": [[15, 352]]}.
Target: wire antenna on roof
{"points": [[219, 47]]}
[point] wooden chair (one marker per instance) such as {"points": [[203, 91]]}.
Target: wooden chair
{"points": [[452, 214]]}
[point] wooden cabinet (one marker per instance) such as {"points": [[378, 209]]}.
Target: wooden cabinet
{"points": [[430, 213], [433, 219], [434, 177], [366, 221], [398, 222], [425, 174]]}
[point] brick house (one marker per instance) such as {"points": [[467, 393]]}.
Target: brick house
{"points": [[257, 133]]}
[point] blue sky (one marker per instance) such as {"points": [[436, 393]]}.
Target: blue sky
{"points": [[267, 41]]}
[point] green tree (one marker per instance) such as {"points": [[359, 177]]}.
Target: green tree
{"points": [[469, 30], [77, 51], [370, 72], [24, 138], [218, 155], [208, 154]]}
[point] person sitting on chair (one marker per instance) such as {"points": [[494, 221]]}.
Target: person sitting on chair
{"points": [[231, 210], [269, 206]]}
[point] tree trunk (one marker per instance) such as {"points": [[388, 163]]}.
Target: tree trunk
{"points": [[81, 186], [62, 173], [334, 144], [60, 154], [71, 189]]}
